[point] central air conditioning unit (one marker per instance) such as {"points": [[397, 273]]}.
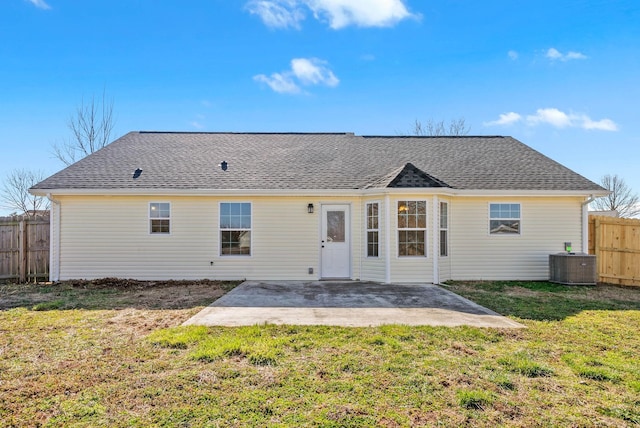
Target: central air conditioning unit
{"points": [[573, 269]]}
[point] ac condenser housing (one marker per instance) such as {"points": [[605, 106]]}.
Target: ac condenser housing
{"points": [[574, 269]]}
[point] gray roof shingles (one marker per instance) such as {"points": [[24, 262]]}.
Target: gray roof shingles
{"points": [[175, 161]]}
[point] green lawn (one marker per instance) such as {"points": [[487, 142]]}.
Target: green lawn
{"points": [[102, 355]]}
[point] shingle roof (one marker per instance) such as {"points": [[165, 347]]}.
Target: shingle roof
{"points": [[264, 161]]}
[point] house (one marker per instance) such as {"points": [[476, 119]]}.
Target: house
{"points": [[308, 206]]}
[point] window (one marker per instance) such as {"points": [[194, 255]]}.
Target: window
{"points": [[444, 229], [160, 217], [504, 219], [372, 230], [235, 229], [412, 228]]}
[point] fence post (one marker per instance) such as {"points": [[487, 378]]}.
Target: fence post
{"points": [[596, 247], [22, 251]]}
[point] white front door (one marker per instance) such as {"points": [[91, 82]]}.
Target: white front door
{"points": [[335, 252]]}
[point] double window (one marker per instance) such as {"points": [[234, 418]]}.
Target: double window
{"points": [[412, 228], [235, 229], [504, 219], [373, 229], [160, 218]]}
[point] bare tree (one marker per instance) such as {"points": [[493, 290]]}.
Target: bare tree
{"points": [[15, 192], [91, 127], [621, 199], [457, 127]]}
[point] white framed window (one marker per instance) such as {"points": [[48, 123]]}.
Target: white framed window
{"points": [[373, 229], [160, 218], [444, 229], [504, 219], [235, 229], [412, 228]]}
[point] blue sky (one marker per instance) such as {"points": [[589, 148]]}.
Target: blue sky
{"points": [[561, 76]]}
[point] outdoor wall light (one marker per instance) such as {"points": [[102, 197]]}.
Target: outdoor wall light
{"points": [[310, 208]]}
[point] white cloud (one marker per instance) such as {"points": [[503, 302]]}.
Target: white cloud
{"points": [[313, 71], [575, 55], [40, 4], [280, 82], [555, 118], [338, 13], [505, 119], [361, 13], [552, 116], [600, 125], [277, 13], [554, 54], [303, 72], [513, 55]]}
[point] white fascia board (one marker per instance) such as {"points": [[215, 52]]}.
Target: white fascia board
{"points": [[547, 193], [320, 192]]}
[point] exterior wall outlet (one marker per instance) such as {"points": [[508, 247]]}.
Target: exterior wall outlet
{"points": [[310, 271]]}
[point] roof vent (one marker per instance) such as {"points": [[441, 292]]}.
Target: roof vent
{"points": [[224, 165], [137, 173]]}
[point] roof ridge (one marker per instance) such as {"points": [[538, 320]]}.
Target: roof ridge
{"points": [[245, 133], [434, 136]]}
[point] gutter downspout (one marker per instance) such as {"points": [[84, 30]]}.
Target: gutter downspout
{"points": [[54, 244], [585, 224]]}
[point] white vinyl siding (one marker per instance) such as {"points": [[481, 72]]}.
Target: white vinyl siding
{"points": [[108, 237], [476, 254]]}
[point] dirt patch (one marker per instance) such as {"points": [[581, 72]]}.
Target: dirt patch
{"points": [[137, 322], [111, 293]]}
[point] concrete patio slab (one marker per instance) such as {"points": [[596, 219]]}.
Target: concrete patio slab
{"points": [[345, 303]]}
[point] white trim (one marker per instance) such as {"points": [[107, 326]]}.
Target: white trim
{"points": [[444, 191], [435, 223], [387, 239], [54, 240], [585, 224]]}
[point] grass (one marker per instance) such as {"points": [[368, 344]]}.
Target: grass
{"points": [[109, 356], [540, 300]]}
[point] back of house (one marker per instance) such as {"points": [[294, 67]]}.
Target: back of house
{"points": [[308, 206]]}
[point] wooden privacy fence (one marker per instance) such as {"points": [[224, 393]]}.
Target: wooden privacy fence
{"points": [[24, 248], [616, 244]]}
